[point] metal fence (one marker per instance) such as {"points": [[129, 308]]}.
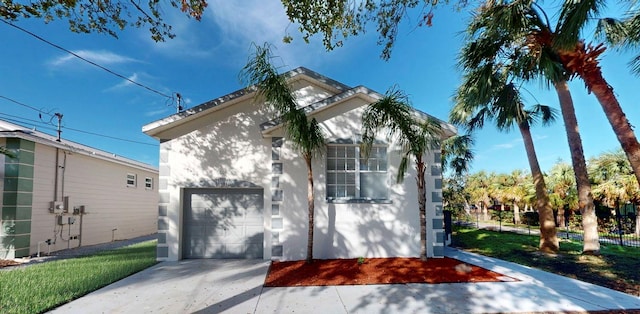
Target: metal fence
{"points": [[620, 230]]}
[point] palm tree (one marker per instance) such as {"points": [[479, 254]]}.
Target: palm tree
{"points": [[613, 179], [305, 134], [517, 35], [562, 184], [486, 95], [457, 154], [518, 192], [394, 115], [478, 189], [581, 59], [623, 33]]}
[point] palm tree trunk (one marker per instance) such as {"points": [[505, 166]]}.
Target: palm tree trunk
{"points": [[560, 217], [516, 213], [422, 206], [485, 212], [618, 120], [310, 201], [591, 243], [584, 62], [548, 239]]}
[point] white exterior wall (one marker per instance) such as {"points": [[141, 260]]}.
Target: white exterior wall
{"points": [[228, 153], [100, 186], [353, 229], [224, 147]]}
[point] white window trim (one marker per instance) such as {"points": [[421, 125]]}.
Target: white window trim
{"points": [[148, 183], [134, 177], [357, 172]]}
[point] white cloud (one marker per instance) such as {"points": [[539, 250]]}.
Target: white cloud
{"points": [[125, 83], [509, 145], [101, 57], [228, 28]]}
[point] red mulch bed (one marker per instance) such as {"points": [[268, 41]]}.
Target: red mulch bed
{"points": [[8, 262], [377, 271]]}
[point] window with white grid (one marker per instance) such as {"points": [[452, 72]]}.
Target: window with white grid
{"points": [[349, 176]]}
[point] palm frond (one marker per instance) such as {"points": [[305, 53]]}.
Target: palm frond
{"points": [[457, 154], [542, 113], [260, 72], [574, 15], [392, 113], [402, 168], [7, 152], [305, 134]]}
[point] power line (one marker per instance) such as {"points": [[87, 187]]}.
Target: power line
{"points": [[88, 61], [111, 137], [44, 125], [25, 105]]}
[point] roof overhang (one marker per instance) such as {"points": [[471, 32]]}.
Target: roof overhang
{"points": [[176, 124]]}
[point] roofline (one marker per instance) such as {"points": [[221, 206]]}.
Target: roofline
{"points": [[169, 122], [449, 130], [271, 125], [40, 138]]}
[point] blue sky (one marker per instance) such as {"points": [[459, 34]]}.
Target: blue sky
{"points": [[204, 60]]}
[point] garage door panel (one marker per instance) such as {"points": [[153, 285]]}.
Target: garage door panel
{"points": [[223, 223], [254, 234]]}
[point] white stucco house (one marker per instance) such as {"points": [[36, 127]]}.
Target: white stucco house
{"points": [[231, 186], [58, 194]]}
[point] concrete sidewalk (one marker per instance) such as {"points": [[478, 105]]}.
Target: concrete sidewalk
{"points": [[235, 286]]}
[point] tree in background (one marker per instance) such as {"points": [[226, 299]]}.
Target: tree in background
{"points": [[304, 134], [487, 94], [509, 33], [416, 136], [613, 179], [564, 195], [87, 16], [457, 155]]}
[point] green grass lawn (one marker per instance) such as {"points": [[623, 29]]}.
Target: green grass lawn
{"points": [[38, 288], [616, 267]]}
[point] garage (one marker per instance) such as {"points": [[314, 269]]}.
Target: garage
{"points": [[223, 223]]}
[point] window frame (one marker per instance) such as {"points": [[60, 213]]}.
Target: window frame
{"points": [[133, 178], [357, 171], [148, 183]]}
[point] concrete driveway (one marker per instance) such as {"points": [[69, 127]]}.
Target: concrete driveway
{"points": [[235, 286]]}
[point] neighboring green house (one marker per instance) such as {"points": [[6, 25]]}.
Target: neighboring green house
{"points": [[59, 194]]}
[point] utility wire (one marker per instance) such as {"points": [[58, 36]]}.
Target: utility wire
{"points": [[19, 119], [111, 137], [85, 60], [25, 105]]}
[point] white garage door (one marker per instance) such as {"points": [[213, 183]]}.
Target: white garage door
{"points": [[223, 223]]}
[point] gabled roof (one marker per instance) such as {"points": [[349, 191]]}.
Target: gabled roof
{"points": [[359, 91], [10, 130], [191, 114], [341, 92]]}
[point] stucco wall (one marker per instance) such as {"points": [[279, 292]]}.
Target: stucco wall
{"points": [[226, 153], [227, 149], [353, 229], [101, 187]]}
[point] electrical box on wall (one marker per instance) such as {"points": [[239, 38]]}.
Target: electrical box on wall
{"points": [[56, 207], [63, 220]]}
